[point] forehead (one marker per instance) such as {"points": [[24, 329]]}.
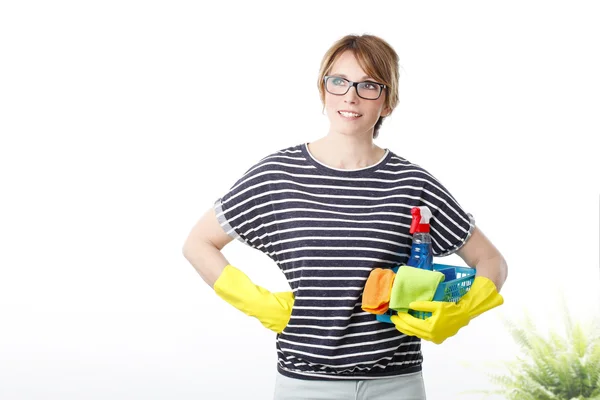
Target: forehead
{"points": [[347, 64]]}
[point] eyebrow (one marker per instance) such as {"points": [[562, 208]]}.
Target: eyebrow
{"points": [[363, 78]]}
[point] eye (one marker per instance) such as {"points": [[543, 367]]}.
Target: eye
{"points": [[370, 86], [338, 81]]}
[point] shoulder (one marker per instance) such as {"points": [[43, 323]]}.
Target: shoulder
{"points": [[274, 162], [288, 153], [408, 168]]}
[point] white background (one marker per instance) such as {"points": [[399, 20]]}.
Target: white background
{"points": [[121, 122]]}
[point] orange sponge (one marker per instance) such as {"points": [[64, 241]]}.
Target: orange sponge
{"points": [[376, 296]]}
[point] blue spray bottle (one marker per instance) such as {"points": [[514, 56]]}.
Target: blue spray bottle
{"points": [[421, 253]]}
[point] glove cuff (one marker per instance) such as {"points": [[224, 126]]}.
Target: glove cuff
{"points": [[273, 310], [236, 288], [482, 297]]}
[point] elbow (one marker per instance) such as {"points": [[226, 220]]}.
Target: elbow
{"points": [[192, 248], [504, 269], [501, 267], [500, 271], [185, 251], [189, 249]]}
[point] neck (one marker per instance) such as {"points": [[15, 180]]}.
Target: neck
{"points": [[344, 152]]}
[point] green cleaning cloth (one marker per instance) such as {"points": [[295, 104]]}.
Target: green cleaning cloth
{"points": [[413, 284]]}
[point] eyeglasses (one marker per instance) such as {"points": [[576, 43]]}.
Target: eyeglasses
{"points": [[366, 90]]}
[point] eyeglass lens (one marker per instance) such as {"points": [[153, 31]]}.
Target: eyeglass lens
{"points": [[340, 86]]}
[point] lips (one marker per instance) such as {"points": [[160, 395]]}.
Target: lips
{"points": [[349, 114]]}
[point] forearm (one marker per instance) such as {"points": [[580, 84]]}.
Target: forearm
{"points": [[207, 260], [494, 268]]}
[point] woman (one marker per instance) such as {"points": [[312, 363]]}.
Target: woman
{"points": [[328, 213]]}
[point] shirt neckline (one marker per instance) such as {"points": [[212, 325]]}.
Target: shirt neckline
{"points": [[339, 171]]}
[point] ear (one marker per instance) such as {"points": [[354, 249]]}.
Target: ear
{"points": [[385, 112]]}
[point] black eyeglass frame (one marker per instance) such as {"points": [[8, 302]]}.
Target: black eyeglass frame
{"points": [[353, 85]]}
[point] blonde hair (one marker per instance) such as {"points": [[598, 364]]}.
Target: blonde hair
{"points": [[375, 56]]}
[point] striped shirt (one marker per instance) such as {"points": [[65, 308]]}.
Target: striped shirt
{"points": [[326, 229]]}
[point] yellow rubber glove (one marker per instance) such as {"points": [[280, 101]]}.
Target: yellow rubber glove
{"points": [[273, 310], [447, 317]]}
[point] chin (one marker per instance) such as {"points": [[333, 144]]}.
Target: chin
{"points": [[343, 130]]}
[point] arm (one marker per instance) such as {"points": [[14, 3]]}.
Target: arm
{"points": [[203, 250], [478, 252], [448, 317], [203, 247]]}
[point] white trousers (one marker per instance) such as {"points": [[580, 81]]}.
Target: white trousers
{"points": [[402, 387]]}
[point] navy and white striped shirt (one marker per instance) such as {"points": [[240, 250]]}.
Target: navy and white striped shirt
{"points": [[326, 229]]}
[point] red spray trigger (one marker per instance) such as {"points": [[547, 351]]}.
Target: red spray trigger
{"points": [[416, 219]]}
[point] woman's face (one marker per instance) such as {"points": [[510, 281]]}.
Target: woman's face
{"points": [[368, 111]]}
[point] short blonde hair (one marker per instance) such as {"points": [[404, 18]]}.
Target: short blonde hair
{"points": [[375, 56]]}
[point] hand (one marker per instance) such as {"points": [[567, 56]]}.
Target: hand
{"points": [[279, 319], [273, 310], [447, 318]]}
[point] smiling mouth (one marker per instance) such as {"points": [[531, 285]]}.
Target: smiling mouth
{"points": [[349, 114]]}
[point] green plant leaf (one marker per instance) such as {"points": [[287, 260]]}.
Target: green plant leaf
{"points": [[551, 366]]}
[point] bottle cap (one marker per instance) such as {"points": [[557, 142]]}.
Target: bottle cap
{"points": [[420, 219]]}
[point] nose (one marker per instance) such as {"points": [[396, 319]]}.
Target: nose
{"points": [[351, 95]]}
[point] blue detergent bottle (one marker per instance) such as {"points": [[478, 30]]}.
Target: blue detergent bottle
{"points": [[421, 252]]}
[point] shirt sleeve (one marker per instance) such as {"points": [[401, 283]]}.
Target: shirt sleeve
{"points": [[239, 210], [451, 226]]}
